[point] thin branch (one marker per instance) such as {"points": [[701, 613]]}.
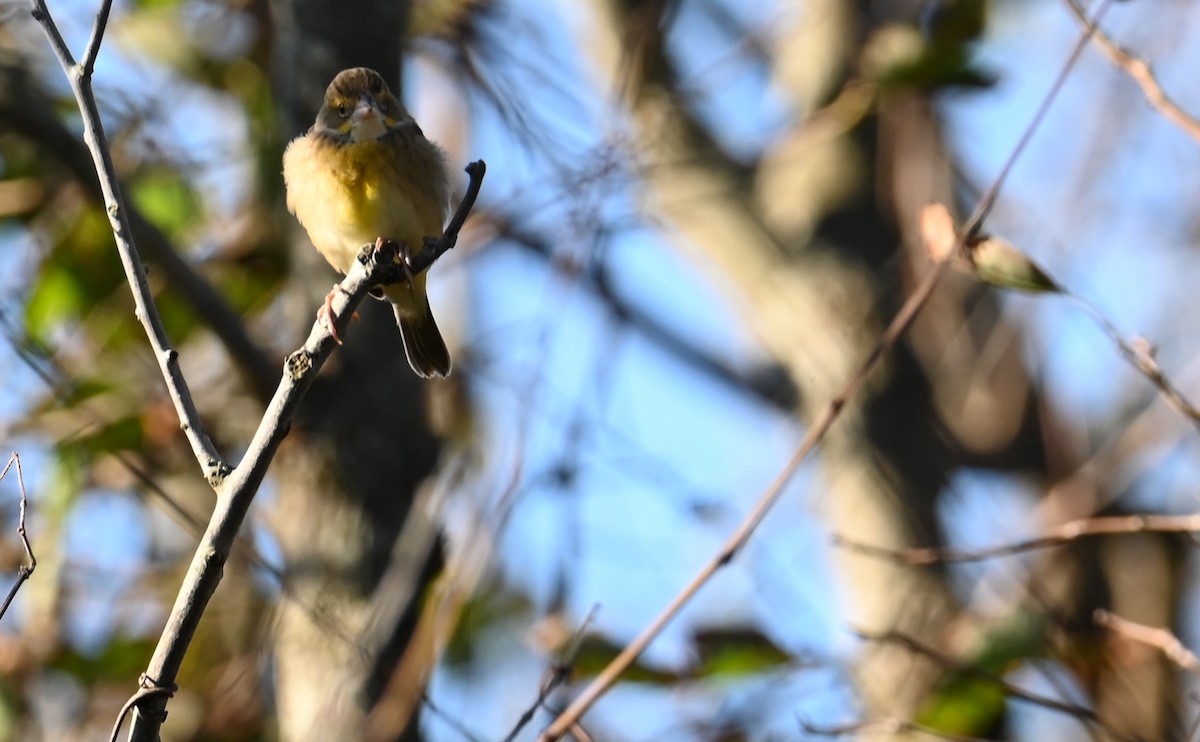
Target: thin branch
{"points": [[1059, 536], [234, 495], [556, 675], [25, 571], [1140, 71], [376, 264], [892, 727], [408, 264], [42, 363], [998, 262], [1195, 725], [1084, 714], [88, 65], [235, 488], [1161, 639], [57, 43], [899, 325], [475, 171], [212, 465], [1140, 355], [453, 723]]}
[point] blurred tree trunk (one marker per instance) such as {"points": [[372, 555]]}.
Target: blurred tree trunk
{"points": [[350, 470]]}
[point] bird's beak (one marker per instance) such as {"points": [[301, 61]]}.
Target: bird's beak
{"points": [[364, 110], [366, 121]]}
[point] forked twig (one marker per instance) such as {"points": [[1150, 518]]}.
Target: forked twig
{"points": [[25, 571], [235, 487], [556, 675]]}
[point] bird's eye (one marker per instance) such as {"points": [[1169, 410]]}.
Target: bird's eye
{"points": [[343, 111]]}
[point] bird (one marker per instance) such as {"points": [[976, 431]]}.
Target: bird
{"points": [[365, 171]]}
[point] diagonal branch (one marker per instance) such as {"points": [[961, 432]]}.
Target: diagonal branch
{"points": [[819, 427], [93, 46], [235, 487], [1162, 639], [234, 496], [1140, 354], [377, 264], [1140, 71]]}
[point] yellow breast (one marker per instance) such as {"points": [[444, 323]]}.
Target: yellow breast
{"points": [[347, 194]]}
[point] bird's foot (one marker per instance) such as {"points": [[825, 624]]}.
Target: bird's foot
{"points": [[325, 313], [403, 257]]}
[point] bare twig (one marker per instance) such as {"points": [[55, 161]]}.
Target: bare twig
{"points": [[235, 488], [376, 263], [475, 171], [454, 723], [1084, 714], [60, 384], [410, 264], [817, 430], [1140, 71], [1009, 267], [80, 78], [234, 495], [885, 726], [556, 675], [1161, 639], [1140, 355], [97, 38], [25, 570], [1064, 534]]}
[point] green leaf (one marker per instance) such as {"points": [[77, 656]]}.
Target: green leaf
{"points": [[968, 705], [737, 653], [122, 658], [965, 706], [1000, 263], [595, 652], [165, 199], [57, 296]]}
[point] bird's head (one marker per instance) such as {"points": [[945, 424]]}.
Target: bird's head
{"points": [[359, 105]]}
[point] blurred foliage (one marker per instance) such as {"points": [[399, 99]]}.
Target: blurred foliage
{"points": [[120, 658], [166, 199]]}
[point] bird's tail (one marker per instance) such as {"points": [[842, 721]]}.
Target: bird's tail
{"points": [[423, 344]]}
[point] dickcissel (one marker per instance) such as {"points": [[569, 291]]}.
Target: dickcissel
{"points": [[363, 171]]}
